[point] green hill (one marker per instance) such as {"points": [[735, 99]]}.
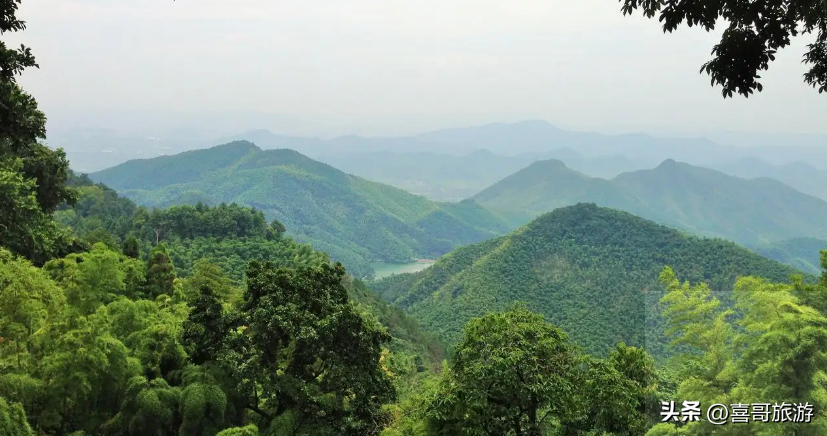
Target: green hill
{"points": [[228, 236], [802, 253], [354, 220], [703, 201], [592, 271], [544, 186]]}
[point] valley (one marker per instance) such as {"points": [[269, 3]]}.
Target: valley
{"points": [[385, 269], [210, 243], [355, 220]]}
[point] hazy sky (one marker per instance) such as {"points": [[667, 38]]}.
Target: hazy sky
{"points": [[578, 64]]}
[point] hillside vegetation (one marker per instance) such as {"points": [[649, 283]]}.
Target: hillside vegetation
{"points": [[802, 253], [154, 318], [703, 201], [354, 220], [205, 319], [592, 271]]}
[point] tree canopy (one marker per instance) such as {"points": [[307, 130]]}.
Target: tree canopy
{"points": [[32, 176], [755, 32]]}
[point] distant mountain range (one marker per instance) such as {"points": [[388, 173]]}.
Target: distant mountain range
{"points": [[799, 175], [359, 221], [98, 150], [703, 201], [452, 178], [517, 171], [355, 220], [541, 137], [592, 271]]}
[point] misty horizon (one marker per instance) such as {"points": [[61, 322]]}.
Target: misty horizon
{"points": [[367, 68]]}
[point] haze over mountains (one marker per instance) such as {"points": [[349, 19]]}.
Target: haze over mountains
{"points": [[753, 212], [355, 220], [209, 261], [386, 211], [499, 138]]}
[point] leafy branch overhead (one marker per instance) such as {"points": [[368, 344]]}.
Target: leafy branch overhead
{"points": [[755, 33]]}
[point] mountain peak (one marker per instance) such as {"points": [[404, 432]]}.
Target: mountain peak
{"points": [[668, 163], [241, 144], [549, 165]]}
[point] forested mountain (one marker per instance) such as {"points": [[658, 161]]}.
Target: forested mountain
{"points": [[802, 253], [206, 319], [703, 201], [592, 271], [145, 309], [354, 220], [544, 186]]}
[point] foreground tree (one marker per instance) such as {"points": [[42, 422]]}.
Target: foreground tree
{"points": [[513, 374], [32, 176], [13, 420], [615, 392], [755, 32], [773, 351], [300, 355]]}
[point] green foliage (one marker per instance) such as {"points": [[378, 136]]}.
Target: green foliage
{"points": [[228, 236], [32, 176], [407, 338], [802, 253], [512, 373], [150, 409], [232, 255], [353, 220], [515, 374], [591, 271], [249, 430], [160, 273], [97, 207], [131, 247], [28, 300], [752, 37], [206, 327], [13, 420], [83, 354], [305, 360], [755, 212], [188, 222], [26, 227], [773, 350]]}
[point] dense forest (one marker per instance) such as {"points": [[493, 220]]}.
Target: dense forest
{"points": [[208, 319], [592, 271], [354, 220], [298, 347]]}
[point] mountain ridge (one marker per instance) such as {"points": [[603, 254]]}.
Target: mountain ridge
{"points": [[591, 270], [697, 199], [355, 220]]}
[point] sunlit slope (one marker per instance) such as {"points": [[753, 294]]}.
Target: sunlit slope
{"points": [[354, 220], [591, 270]]}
